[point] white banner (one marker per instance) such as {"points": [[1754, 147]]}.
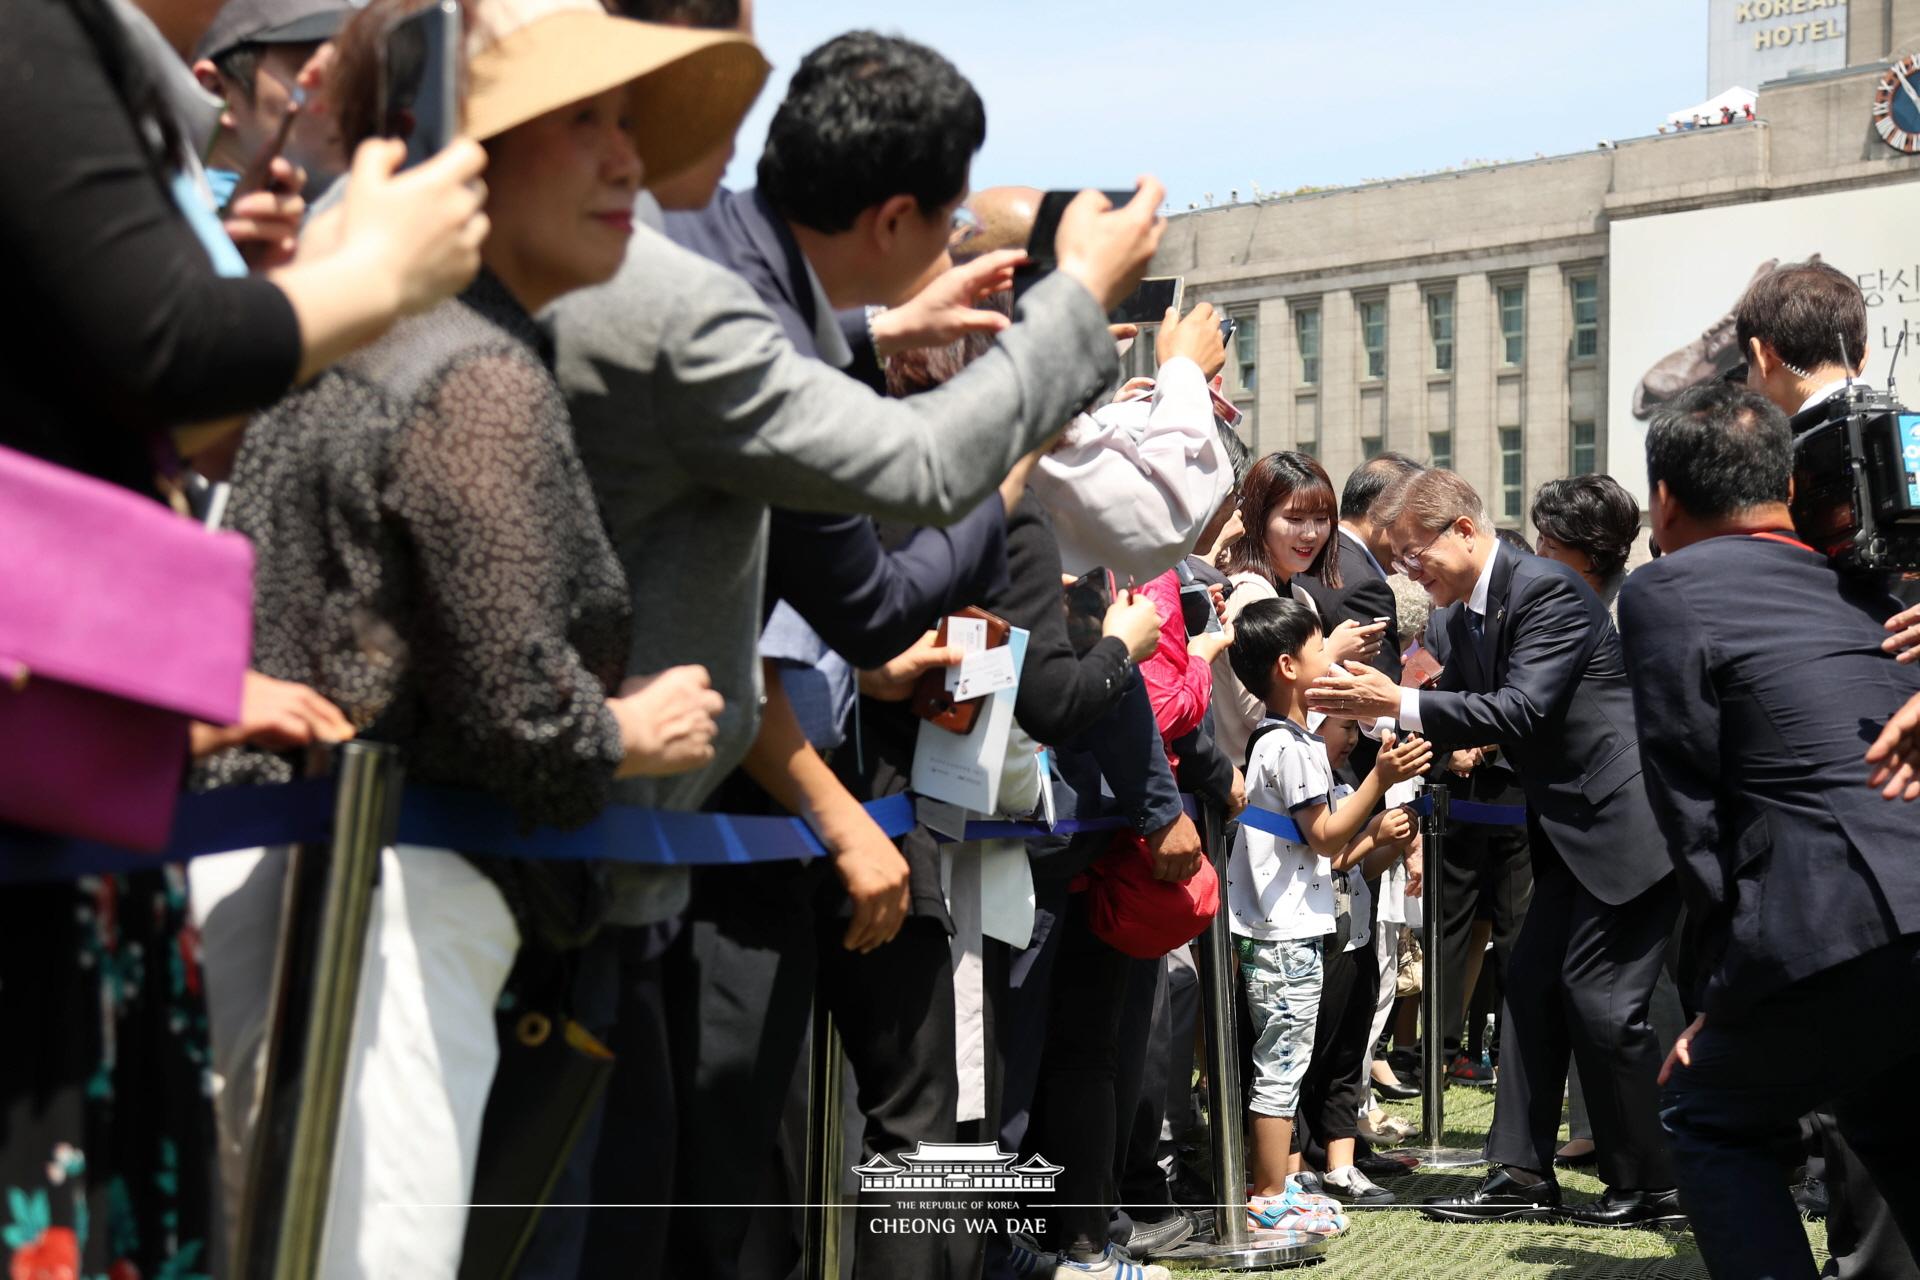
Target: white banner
{"points": [[1674, 280]]}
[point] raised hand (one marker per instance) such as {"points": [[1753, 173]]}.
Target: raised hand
{"points": [[948, 308], [1107, 249]]}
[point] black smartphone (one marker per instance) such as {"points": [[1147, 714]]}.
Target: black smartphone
{"points": [[258, 174], [1228, 327], [420, 80], [1041, 256], [1149, 303]]}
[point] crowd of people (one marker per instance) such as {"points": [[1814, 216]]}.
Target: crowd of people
{"points": [[585, 482]]}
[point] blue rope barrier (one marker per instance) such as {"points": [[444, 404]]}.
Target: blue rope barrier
{"points": [[1486, 815], [1029, 829], [443, 817]]}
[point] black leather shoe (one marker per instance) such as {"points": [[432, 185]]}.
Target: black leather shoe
{"points": [[1498, 1199], [1630, 1209], [1586, 1161], [1398, 1090]]}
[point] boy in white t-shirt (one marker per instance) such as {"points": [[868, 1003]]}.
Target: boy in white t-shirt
{"points": [[1280, 891]]}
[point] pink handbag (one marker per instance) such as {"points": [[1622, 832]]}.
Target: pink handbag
{"points": [[119, 622]]}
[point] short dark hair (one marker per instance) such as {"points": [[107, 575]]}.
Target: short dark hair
{"points": [[240, 65], [1809, 312], [711, 15], [1266, 631], [1593, 514], [1720, 450], [1239, 457], [868, 117], [1366, 482]]}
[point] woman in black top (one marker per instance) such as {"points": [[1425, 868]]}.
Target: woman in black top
{"points": [[128, 331]]}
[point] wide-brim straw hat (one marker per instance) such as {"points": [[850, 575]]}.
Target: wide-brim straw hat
{"points": [[691, 88]]}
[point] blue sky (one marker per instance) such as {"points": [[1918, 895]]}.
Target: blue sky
{"points": [[1283, 93]]}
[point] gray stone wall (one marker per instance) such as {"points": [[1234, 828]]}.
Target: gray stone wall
{"points": [[1540, 223]]}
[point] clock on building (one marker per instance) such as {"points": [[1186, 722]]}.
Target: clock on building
{"points": [[1896, 105]]}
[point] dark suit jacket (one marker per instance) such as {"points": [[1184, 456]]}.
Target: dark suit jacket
{"points": [[1759, 681], [1550, 688], [866, 601], [1364, 595]]}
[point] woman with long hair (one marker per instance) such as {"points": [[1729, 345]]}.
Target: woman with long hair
{"points": [[1289, 512]]}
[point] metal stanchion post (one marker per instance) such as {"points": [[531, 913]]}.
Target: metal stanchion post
{"points": [[1432, 1016], [1231, 1249], [315, 992], [825, 1151]]}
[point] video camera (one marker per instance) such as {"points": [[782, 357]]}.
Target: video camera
{"points": [[1856, 481]]}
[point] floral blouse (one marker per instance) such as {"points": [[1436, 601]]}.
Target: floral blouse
{"points": [[430, 558]]}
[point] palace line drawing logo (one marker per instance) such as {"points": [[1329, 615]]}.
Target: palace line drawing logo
{"points": [[957, 1169]]}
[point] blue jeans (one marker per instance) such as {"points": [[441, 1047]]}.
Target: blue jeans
{"points": [[1283, 992]]}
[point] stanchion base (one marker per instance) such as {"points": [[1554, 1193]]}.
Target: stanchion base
{"points": [[1248, 1257], [1444, 1157]]}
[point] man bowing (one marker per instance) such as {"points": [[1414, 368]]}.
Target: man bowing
{"points": [[1536, 668]]}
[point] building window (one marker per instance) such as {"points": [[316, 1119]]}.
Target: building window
{"points": [[1373, 336], [1246, 351], [1586, 317], [1440, 448], [1586, 453], [1513, 485], [1309, 445], [1440, 327], [1306, 335], [1371, 447], [1513, 324]]}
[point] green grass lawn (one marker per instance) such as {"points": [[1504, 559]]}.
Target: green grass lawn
{"points": [[1400, 1244]]}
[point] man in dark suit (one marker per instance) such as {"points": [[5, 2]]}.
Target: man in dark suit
{"points": [[1802, 955], [1537, 670]]}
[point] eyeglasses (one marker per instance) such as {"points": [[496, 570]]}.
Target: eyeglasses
{"points": [[964, 226], [1409, 562]]}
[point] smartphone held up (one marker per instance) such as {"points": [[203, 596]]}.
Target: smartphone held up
{"points": [[419, 80]]}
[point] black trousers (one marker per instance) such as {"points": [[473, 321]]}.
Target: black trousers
{"points": [[1580, 980], [1486, 873], [1076, 1105], [1863, 1240], [1334, 1086], [1847, 1039], [761, 942]]}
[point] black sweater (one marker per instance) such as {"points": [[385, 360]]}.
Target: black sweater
{"points": [[1061, 694], [125, 327]]}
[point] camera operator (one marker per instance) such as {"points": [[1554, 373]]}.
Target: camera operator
{"points": [[1803, 330], [1802, 892]]}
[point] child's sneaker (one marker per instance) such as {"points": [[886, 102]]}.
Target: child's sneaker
{"points": [[1115, 1264], [1353, 1187], [1291, 1211], [1306, 1188]]}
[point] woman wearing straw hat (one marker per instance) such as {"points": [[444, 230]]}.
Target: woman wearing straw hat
{"points": [[430, 558]]}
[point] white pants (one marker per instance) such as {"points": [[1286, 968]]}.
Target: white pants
{"points": [[440, 943]]}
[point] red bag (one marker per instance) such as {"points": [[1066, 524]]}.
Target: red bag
{"points": [[1133, 913]]}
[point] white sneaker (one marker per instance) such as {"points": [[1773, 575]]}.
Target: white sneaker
{"points": [[1114, 1264]]}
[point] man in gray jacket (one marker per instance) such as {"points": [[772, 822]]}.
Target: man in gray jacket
{"points": [[694, 413]]}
